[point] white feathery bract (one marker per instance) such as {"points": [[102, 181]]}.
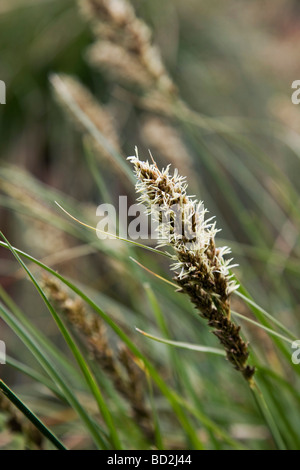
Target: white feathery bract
{"points": [[166, 199]]}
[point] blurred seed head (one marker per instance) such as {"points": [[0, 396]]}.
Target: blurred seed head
{"points": [[122, 368], [125, 50], [97, 114], [166, 140]]}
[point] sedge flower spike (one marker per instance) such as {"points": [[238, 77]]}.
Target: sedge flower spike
{"points": [[201, 271]]}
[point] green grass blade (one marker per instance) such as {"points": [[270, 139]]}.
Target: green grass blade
{"points": [[36, 376], [41, 338], [267, 416], [183, 345], [259, 325], [77, 354], [256, 308], [50, 368]]}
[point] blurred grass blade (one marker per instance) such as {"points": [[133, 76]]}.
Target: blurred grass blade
{"points": [[256, 308], [259, 325], [265, 412], [157, 430], [36, 376]]}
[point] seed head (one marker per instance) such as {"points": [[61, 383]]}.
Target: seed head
{"points": [[201, 269]]}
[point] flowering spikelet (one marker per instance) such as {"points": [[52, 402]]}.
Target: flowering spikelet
{"points": [[202, 272]]}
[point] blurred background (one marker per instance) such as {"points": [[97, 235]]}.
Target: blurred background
{"points": [[84, 86]]}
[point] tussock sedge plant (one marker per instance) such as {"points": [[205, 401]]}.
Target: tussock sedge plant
{"points": [[106, 386], [202, 272]]}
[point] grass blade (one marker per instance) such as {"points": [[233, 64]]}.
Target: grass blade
{"points": [[179, 344], [77, 354]]}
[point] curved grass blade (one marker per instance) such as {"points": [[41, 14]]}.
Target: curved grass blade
{"points": [[36, 376], [268, 330], [154, 274], [77, 354], [132, 242], [255, 307], [50, 368], [183, 345], [45, 342]]}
